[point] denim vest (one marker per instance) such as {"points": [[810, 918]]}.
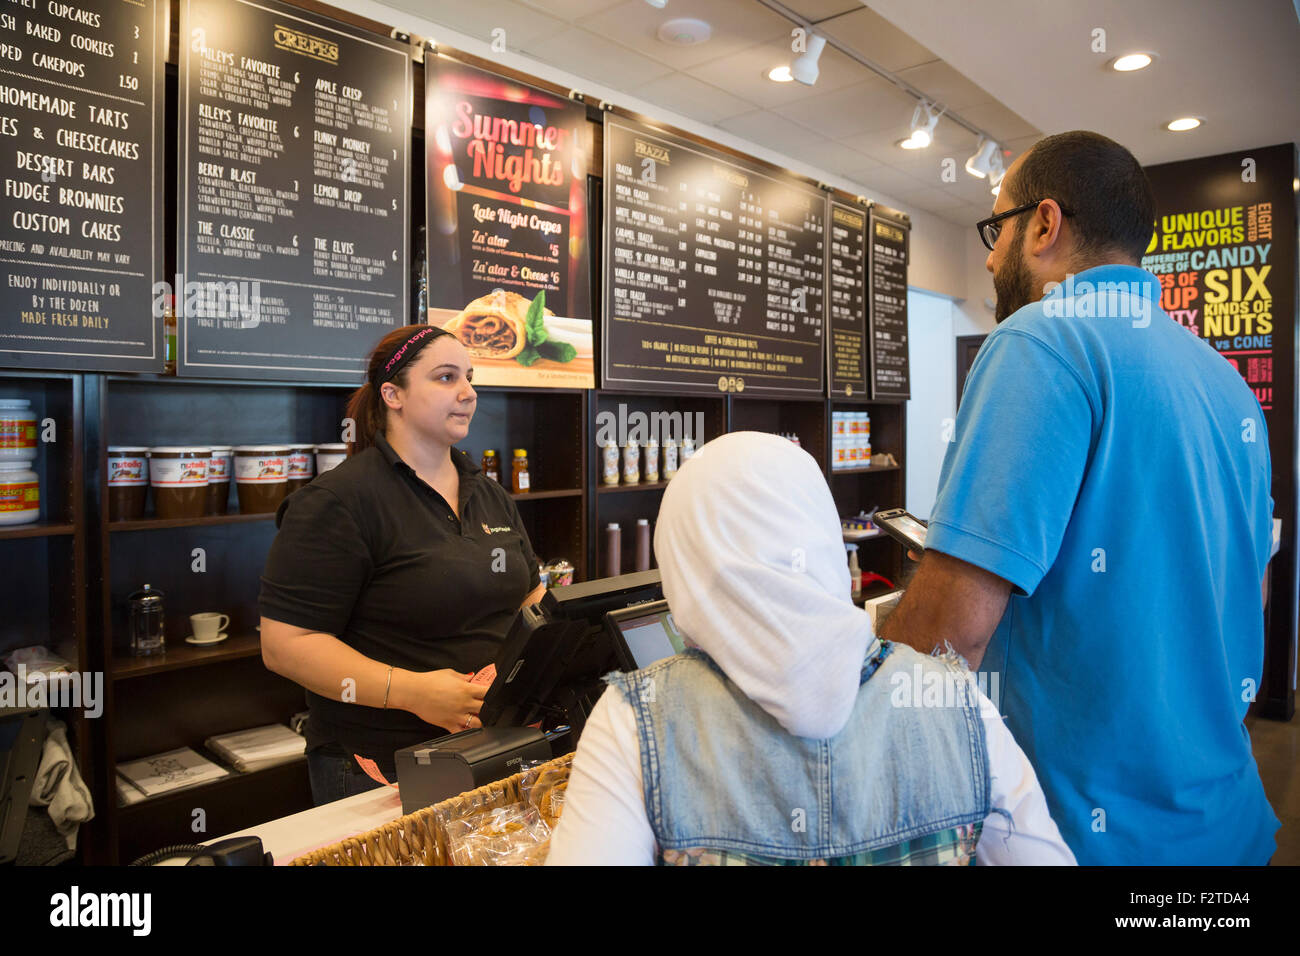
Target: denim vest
{"points": [[905, 781]]}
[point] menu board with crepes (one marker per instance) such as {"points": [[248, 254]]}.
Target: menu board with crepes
{"points": [[294, 178], [713, 270], [846, 306], [888, 235], [81, 110]]}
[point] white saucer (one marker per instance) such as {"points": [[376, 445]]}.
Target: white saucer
{"points": [[216, 640]]}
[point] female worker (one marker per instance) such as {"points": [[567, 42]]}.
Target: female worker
{"points": [[395, 576]]}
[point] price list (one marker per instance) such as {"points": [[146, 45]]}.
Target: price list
{"points": [[890, 376], [295, 166], [846, 309], [714, 271], [81, 114]]}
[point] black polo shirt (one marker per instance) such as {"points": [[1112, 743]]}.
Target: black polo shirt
{"points": [[372, 554]]}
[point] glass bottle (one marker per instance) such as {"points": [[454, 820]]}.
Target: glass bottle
{"points": [[169, 338]]}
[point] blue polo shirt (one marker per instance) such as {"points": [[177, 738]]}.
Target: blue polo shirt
{"points": [[1114, 469]]}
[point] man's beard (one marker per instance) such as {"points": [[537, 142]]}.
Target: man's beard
{"points": [[1013, 284]]}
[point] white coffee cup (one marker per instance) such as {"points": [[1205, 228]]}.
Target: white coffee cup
{"points": [[208, 625]]}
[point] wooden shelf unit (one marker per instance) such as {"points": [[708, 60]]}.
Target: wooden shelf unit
{"points": [[45, 581]]}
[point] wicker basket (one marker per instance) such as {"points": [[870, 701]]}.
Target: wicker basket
{"points": [[420, 838]]}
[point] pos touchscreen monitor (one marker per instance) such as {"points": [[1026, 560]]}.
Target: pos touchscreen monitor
{"points": [[549, 667], [644, 633]]}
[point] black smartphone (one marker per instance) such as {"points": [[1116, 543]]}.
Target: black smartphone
{"points": [[904, 528]]}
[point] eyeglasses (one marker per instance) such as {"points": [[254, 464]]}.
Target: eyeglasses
{"points": [[991, 228]]}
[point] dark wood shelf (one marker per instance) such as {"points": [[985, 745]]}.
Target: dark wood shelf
{"points": [[158, 378], [643, 486], [179, 655], [863, 471], [234, 778], [37, 529], [154, 524], [535, 495]]}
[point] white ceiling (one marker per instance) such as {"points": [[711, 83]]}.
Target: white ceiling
{"points": [[1014, 68], [848, 124], [1237, 64]]}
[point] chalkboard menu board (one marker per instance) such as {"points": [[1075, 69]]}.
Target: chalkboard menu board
{"points": [[294, 190], [714, 270], [81, 107], [888, 235], [846, 307]]}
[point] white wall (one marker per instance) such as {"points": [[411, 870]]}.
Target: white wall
{"points": [[932, 355], [971, 316]]}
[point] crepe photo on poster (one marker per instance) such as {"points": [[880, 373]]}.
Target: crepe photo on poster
{"points": [[509, 273]]}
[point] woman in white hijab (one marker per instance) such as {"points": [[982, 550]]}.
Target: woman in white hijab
{"points": [[785, 705]]}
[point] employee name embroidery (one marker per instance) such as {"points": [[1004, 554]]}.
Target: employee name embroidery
{"points": [[102, 909], [487, 530]]}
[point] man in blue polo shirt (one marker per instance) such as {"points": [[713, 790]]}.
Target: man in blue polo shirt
{"points": [[1102, 528]]}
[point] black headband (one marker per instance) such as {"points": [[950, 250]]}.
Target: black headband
{"points": [[408, 350]]}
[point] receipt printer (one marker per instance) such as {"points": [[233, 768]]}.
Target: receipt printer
{"points": [[448, 766]]}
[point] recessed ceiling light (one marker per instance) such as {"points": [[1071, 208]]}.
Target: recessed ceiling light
{"points": [[1185, 123], [780, 74], [684, 31], [1130, 62], [911, 143]]}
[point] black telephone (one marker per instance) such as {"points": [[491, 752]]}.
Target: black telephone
{"points": [[237, 851]]}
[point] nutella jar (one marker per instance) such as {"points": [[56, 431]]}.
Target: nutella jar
{"points": [[17, 430], [128, 481], [330, 456], [300, 467], [261, 477], [220, 465], [20, 493], [179, 477]]}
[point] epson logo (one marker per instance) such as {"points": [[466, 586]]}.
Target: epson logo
{"points": [[77, 909]]}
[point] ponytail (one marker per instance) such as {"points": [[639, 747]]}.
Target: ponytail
{"points": [[369, 415]]}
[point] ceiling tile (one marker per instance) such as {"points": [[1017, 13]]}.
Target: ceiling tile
{"points": [[768, 129], [691, 97], [522, 25], [815, 10], [877, 39], [866, 106], [998, 121], [744, 74], [945, 86], [586, 54], [736, 27], [572, 9], [889, 181], [832, 157], [935, 200]]}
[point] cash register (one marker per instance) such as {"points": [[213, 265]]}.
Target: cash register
{"points": [[548, 680]]}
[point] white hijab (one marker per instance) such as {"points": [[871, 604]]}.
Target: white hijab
{"points": [[753, 564]]}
